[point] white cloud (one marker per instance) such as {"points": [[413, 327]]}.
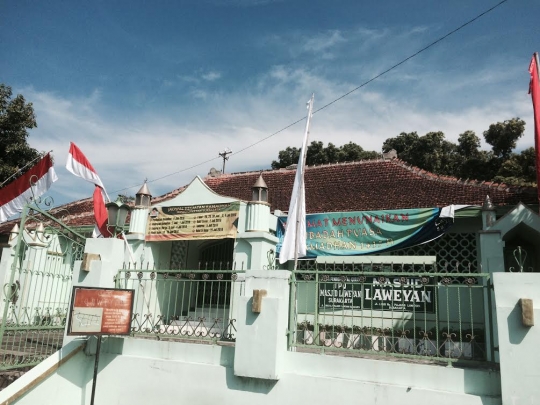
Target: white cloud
{"points": [[125, 150], [201, 76], [200, 94], [211, 76], [322, 44]]}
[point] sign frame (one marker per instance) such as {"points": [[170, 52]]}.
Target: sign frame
{"points": [[376, 293], [193, 222], [100, 295]]}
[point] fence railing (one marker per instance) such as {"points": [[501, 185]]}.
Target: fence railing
{"points": [[381, 310], [36, 288], [183, 304]]}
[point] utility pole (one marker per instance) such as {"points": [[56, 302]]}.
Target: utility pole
{"points": [[224, 156]]}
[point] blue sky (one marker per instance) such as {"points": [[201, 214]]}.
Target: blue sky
{"points": [[146, 89]]}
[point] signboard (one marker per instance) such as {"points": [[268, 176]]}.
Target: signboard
{"points": [[340, 292], [410, 294], [207, 221], [368, 232], [100, 311]]}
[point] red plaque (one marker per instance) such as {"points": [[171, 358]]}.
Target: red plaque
{"points": [[100, 311]]}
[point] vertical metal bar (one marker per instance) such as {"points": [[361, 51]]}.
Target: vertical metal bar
{"points": [[490, 352], [96, 366], [292, 310], [316, 312]]}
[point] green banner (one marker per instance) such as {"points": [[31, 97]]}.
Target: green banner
{"points": [[367, 232]]}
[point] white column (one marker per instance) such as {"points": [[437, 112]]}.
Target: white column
{"points": [[261, 340]]}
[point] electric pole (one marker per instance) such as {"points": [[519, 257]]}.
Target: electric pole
{"points": [[224, 156]]}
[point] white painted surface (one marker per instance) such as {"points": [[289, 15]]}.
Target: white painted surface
{"points": [[136, 371], [196, 193], [518, 345], [261, 339]]}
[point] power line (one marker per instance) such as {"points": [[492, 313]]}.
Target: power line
{"points": [[425, 48]]}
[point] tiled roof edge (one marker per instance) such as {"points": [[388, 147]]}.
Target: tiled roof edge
{"points": [[490, 185]]}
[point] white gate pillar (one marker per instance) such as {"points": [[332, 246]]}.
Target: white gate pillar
{"points": [[261, 339]]}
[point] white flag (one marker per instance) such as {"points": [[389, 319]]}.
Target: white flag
{"points": [[294, 241]]}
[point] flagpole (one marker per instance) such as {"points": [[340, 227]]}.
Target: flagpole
{"points": [[303, 194], [537, 130], [40, 156]]}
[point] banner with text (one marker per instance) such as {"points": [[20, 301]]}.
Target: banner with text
{"points": [[207, 221], [368, 232]]}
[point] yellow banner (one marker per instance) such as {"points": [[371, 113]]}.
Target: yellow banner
{"points": [[208, 221]]}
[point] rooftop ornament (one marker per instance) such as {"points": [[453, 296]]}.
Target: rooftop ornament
{"points": [[39, 239], [143, 198], [259, 191], [14, 233], [488, 212]]}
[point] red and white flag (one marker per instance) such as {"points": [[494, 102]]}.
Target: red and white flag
{"points": [[534, 91], [79, 165], [34, 183]]}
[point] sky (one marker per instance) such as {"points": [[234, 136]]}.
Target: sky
{"points": [[156, 89]]}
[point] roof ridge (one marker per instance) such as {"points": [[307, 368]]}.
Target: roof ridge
{"points": [[284, 169], [443, 178]]}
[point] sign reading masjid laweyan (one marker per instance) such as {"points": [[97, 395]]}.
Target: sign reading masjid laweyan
{"points": [[206, 221], [377, 293]]}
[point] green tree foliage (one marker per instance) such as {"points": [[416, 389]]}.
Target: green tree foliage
{"points": [[430, 152], [318, 154], [518, 169], [503, 136], [434, 153], [465, 159], [16, 118]]}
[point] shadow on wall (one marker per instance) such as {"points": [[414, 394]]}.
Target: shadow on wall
{"points": [[255, 385], [80, 370]]}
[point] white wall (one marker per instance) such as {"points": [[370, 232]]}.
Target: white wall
{"points": [[518, 344], [136, 371]]}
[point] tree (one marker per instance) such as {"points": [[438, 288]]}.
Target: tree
{"points": [[430, 152], [503, 136], [286, 158], [465, 159], [402, 144], [518, 169], [434, 153], [318, 154], [16, 118]]}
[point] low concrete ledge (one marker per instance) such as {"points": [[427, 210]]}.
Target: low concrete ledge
{"points": [[268, 274], [39, 373], [477, 382]]}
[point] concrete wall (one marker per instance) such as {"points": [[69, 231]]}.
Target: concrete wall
{"points": [[134, 371], [518, 344]]}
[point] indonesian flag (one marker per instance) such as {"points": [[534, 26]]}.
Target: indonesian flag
{"points": [[534, 91], [79, 165], [32, 184]]}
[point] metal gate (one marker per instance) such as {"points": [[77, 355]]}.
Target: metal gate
{"points": [[36, 288]]}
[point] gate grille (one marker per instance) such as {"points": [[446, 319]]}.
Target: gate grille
{"points": [[36, 290]]}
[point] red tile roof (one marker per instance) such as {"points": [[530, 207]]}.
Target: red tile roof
{"points": [[355, 186], [74, 214], [370, 185]]}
